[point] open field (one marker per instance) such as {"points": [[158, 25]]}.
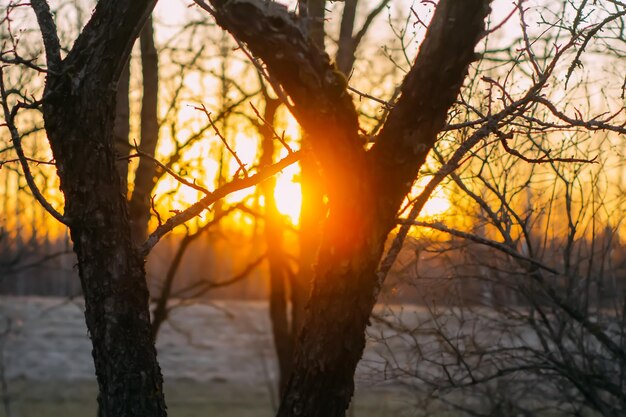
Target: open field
{"points": [[216, 359]]}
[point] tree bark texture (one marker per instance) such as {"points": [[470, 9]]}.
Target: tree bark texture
{"points": [[365, 188], [79, 111], [121, 128]]}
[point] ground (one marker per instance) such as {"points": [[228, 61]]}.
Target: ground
{"points": [[216, 358]]}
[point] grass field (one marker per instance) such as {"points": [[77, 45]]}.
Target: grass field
{"points": [[184, 399], [216, 359]]}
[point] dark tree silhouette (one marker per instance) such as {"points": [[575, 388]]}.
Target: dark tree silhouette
{"points": [[79, 110], [365, 188]]}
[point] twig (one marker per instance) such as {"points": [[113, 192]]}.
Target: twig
{"points": [[161, 165], [242, 166], [280, 138], [386, 104], [155, 211], [17, 143], [33, 160], [576, 61], [505, 137], [197, 208]]}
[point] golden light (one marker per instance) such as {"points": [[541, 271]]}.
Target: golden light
{"points": [[437, 205], [288, 193]]}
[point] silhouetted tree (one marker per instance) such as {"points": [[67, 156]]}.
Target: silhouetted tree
{"points": [[365, 187]]}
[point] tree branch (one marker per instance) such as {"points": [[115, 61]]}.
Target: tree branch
{"points": [[206, 202], [314, 85], [428, 91], [48, 33], [502, 247], [9, 117]]}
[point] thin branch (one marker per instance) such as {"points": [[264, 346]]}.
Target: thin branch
{"points": [[502, 247], [203, 286], [48, 33], [17, 143], [198, 207], [592, 124], [18, 60], [242, 166], [592, 32], [387, 105], [280, 138], [501, 24], [33, 160], [161, 165], [155, 211], [368, 21], [504, 138]]}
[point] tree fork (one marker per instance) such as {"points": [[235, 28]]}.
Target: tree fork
{"points": [[367, 188]]}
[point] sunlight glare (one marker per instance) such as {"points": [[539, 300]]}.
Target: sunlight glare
{"points": [[288, 193], [246, 148], [435, 206], [438, 203]]}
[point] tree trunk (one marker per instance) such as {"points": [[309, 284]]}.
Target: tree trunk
{"points": [[121, 128], [312, 212], [145, 176], [111, 271], [282, 330], [332, 337], [365, 188], [79, 110]]}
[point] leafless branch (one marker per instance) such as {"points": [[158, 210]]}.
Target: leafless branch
{"points": [[48, 33], [17, 143], [202, 286], [502, 247], [197, 208], [242, 166], [164, 167], [281, 138], [504, 138]]}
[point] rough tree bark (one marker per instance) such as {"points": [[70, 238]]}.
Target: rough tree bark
{"points": [[365, 188], [121, 127], [79, 110]]}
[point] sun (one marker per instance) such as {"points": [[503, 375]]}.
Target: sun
{"points": [[288, 194], [436, 206]]}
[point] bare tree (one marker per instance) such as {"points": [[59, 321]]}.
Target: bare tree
{"points": [[80, 133], [525, 303], [332, 337]]}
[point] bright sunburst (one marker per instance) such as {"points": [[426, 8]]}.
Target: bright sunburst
{"points": [[288, 194]]}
